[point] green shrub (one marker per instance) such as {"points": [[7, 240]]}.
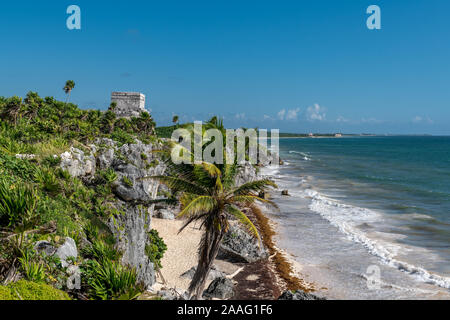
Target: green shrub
{"points": [[48, 181], [100, 250], [27, 290], [17, 204], [155, 248], [33, 271], [111, 280], [51, 161], [5, 293], [127, 181]]}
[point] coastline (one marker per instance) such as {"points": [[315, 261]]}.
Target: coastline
{"points": [[264, 279]]}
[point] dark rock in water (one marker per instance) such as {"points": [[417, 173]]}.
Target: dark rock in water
{"points": [[264, 195], [45, 247], [285, 193], [298, 295], [240, 246], [213, 273], [221, 288], [281, 162]]}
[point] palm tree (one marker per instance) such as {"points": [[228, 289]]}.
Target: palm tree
{"points": [[70, 84], [175, 119], [209, 196]]}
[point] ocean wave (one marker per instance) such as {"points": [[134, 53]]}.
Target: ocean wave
{"points": [[305, 156], [346, 218]]}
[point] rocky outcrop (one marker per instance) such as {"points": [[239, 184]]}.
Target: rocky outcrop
{"points": [[45, 247], [78, 164], [298, 295], [220, 288], [247, 173], [172, 294], [131, 163], [67, 250], [240, 246], [64, 252], [130, 230], [213, 273]]}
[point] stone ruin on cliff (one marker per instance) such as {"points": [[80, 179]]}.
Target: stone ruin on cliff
{"points": [[128, 104]]}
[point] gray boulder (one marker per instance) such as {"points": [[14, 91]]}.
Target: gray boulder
{"points": [[67, 250], [220, 288], [213, 273], [78, 164], [240, 246], [298, 295], [45, 247], [172, 294]]}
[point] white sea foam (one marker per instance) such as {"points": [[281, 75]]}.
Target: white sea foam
{"points": [[305, 156], [346, 218]]}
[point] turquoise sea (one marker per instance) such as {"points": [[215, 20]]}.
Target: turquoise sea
{"points": [[368, 217]]}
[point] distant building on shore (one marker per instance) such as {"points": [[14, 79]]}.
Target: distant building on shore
{"points": [[128, 104], [310, 135], [338, 135]]}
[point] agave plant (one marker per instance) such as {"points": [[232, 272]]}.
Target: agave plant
{"points": [[210, 196]]}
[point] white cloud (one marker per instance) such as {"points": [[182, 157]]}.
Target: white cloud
{"points": [[284, 114], [240, 116], [281, 114], [292, 114], [266, 117], [342, 119], [419, 119], [315, 112]]}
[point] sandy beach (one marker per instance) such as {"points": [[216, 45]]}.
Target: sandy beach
{"points": [[259, 280]]}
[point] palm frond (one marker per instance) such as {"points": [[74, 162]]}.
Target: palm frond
{"points": [[244, 220], [250, 199], [254, 186], [201, 204]]}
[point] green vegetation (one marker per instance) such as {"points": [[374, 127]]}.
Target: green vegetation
{"points": [[208, 195], [40, 201], [155, 250], [165, 132], [27, 290]]}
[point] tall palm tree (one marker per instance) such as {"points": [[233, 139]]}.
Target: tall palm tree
{"points": [[175, 119], [208, 195], [70, 84]]}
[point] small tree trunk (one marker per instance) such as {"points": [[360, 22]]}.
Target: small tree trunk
{"points": [[206, 259]]}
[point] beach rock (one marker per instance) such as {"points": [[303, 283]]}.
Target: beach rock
{"points": [[221, 288], [298, 295], [213, 273], [172, 294], [240, 246], [45, 247], [165, 213], [264, 195], [67, 250], [285, 193]]}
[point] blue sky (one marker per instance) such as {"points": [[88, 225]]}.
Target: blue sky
{"points": [[299, 66]]}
